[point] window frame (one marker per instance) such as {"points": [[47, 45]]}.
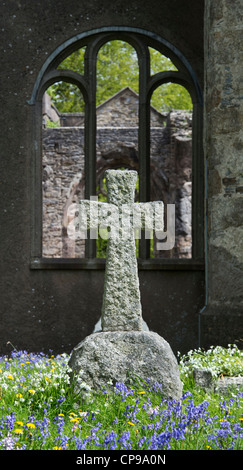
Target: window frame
{"points": [[141, 41]]}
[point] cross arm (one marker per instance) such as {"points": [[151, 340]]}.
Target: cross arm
{"points": [[149, 215]]}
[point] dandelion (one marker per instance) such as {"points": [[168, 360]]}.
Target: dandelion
{"points": [[20, 423], [32, 391], [10, 377], [18, 431], [74, 420], [30, 425], [131, 424], [57, 448], [19, 395]]}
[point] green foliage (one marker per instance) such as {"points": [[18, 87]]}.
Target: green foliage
{"points": [[40, 411], [65, 96], [171, 96], [117, 67], [50, 124], [218, 360]]}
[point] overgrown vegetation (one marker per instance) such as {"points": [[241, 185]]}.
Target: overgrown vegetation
{"points": [[38, 409]]}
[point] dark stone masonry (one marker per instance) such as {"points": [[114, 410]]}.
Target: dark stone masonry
{"points": [[54, 303]]}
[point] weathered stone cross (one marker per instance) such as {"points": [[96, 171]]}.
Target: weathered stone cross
{"points": [[123, 348], [121, 309]]}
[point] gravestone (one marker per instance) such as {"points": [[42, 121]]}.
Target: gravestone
{"points": [[123, 349]]}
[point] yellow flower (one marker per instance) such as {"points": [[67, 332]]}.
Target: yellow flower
{"points": [[72, 413], [30, 425], [20, 423], [19, 395], [10, 377], [74, 420], [18, 431], [61, 414], [32, 391], [141, 393], [131, 424], [57, 448]]}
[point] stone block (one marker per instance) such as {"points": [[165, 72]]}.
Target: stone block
{"points": [[120, 356], [203, 378], [222, 385]]}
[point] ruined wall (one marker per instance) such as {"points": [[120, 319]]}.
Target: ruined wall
{"points": [[223, 151], [171, 172], [43, 309]]}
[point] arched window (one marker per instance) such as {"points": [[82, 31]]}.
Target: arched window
{"points": [[160, 67]]}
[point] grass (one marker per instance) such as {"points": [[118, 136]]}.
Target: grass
{"points": [[39, 411]]}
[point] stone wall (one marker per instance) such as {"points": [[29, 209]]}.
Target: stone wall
{"points": [[43, 308], [223, 152], [119, 110], [63, 175]]}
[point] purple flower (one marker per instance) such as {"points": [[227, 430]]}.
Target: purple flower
{"points": [[124, 440], [110, 441], [60, 400], [10, 421], [123, 390], [8, 442], [141, 441]]}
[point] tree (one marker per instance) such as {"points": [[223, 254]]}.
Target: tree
{"points": [[170, 95], [117, 67]]}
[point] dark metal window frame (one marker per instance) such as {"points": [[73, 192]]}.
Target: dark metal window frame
{"points": [[141, 41]]}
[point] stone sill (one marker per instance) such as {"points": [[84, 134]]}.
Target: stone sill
{"points": [[99, 264]]}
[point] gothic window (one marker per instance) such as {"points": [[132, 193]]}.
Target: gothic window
{"points": [[127, 130]]}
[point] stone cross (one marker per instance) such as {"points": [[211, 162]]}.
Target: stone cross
{"points": [[123, 350], [121, 309]]}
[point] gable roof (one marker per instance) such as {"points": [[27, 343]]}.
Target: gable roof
{"points": [[124, 91]]}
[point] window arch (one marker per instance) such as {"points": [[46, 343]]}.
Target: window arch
{"points": [[181, 74]]}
